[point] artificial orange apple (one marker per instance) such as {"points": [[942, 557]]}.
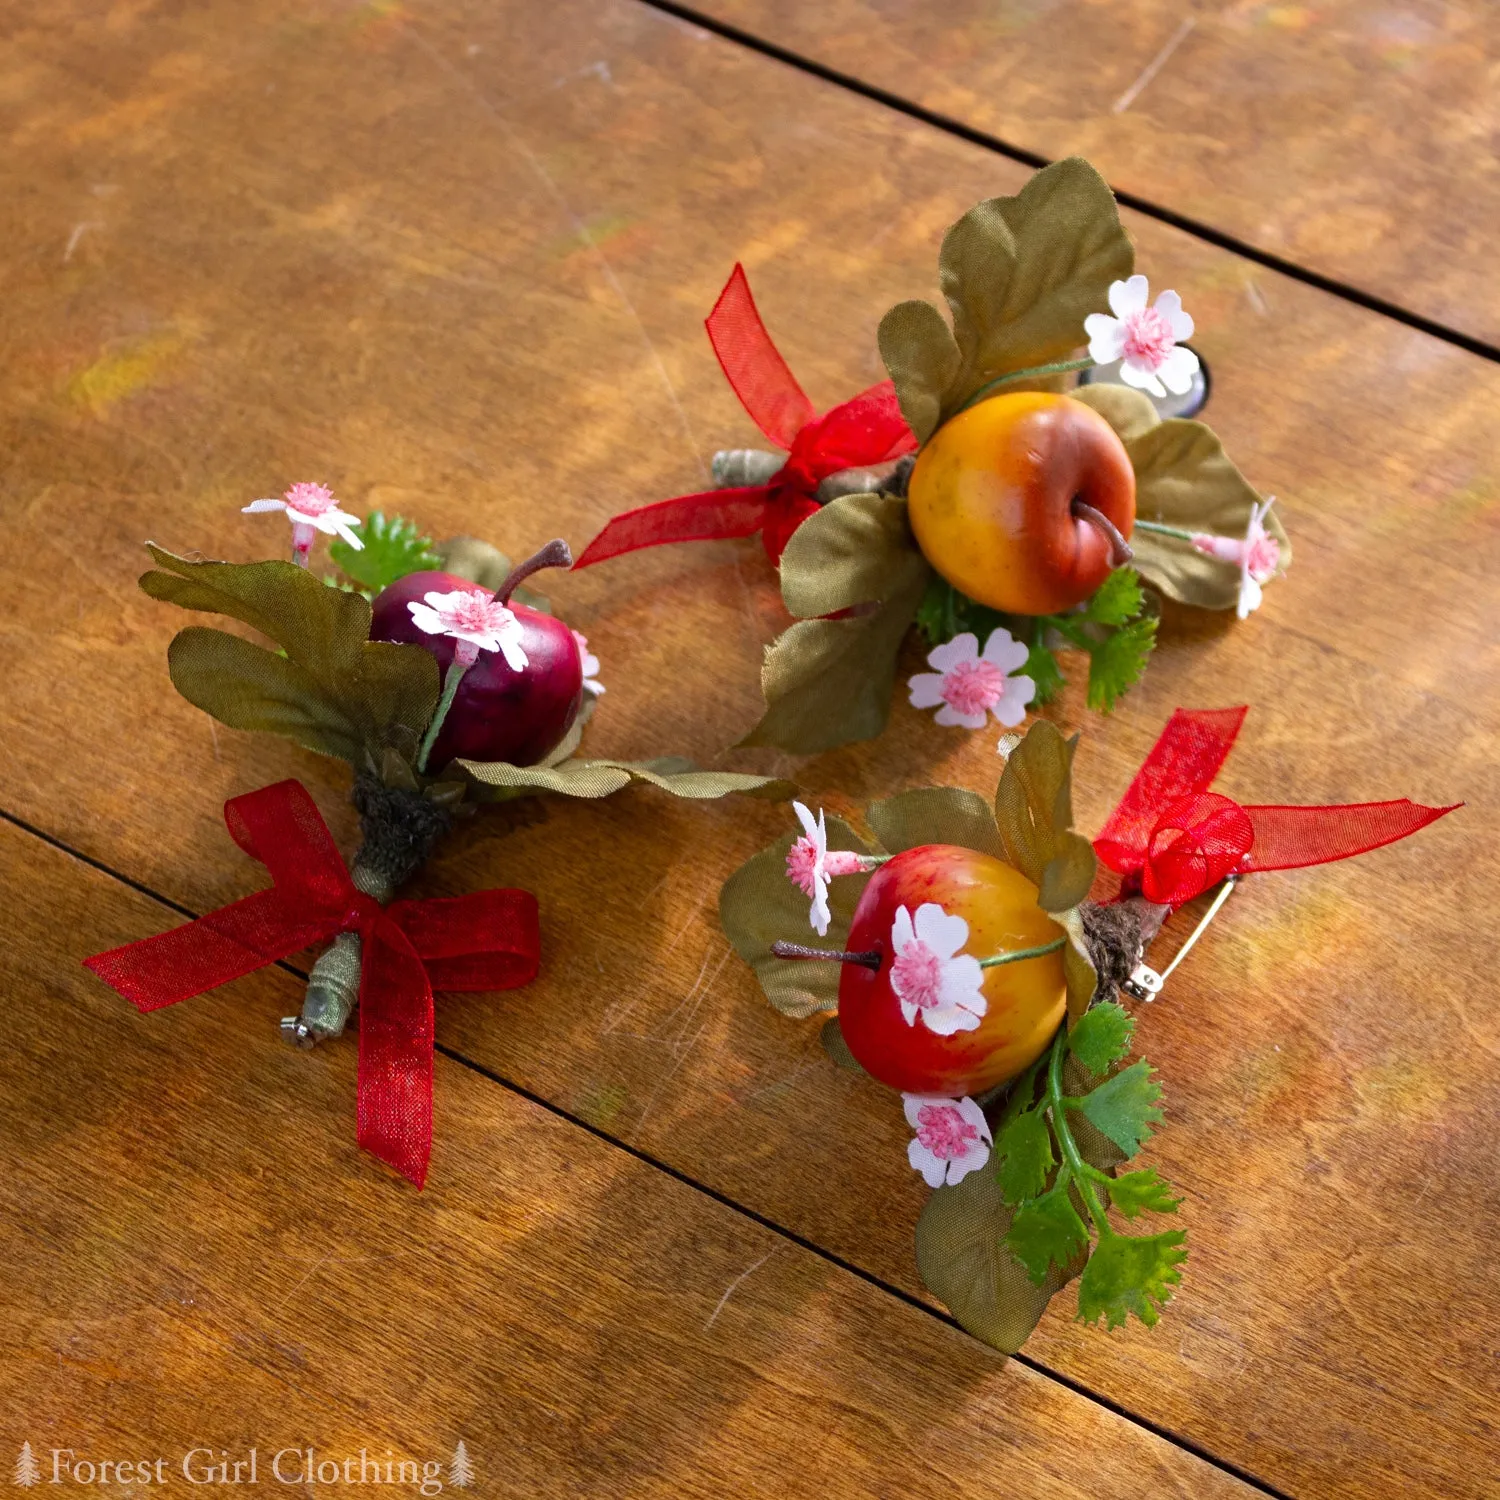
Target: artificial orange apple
{"points": [[917, 1008], [1024, 502]]}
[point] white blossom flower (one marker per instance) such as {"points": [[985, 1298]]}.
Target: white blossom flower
{"points": [[310, 508], [591, 683], [476, 621], [952, 1138], [929, 975], [810, 865], [1146, 340], [968, 685], [1257, 556]]}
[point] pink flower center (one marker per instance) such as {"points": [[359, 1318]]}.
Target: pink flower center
{"points": [[310, 499], [973, 687], [800, 861], [1148, 337], [917, 975], [1263, 556], [944, 1131], [477, 614]]}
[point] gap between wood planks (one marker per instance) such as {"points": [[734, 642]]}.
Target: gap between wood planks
{"points": [[790, 1236], [1144, 206]]}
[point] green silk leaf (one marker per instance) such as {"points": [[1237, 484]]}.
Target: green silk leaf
{"points": [[1025, 1155], [1047, 1232], [1101, 1038], [1130, 1274], [1125, 1106], [935, 815], [1142, 1191]]}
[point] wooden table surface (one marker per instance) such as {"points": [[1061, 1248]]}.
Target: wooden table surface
{"points": [[1352, 138], [454, 260]]}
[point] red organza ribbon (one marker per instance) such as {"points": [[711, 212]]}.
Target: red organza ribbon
{"points": [[485, 941], [866, 430], [1171, 838]]}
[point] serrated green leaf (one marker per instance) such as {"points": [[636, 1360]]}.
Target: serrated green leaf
{"points": [[1130, 1274], [1183, 478], [935, 815], [392, 548], [964, 1263], [385, 692], [1042, 668], [1135, 1193], [758, 904], [1118, 599], [923, 361], [1047, 1232], [1124, 1106], [1102, 1037], [1117, 662], [1024, 1152]]}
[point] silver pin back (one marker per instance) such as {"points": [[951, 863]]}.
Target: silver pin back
{"points": [[1144, 982]]}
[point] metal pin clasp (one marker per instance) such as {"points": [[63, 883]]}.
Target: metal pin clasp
{"points": [[1144, 982]]}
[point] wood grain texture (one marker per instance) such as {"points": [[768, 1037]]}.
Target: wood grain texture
{"points": [[457, 265], [179, 1276], [1351, 138]]}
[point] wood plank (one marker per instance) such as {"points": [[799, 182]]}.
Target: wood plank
{"points": [[197, 1257], [471, 284], [1344, 137]]}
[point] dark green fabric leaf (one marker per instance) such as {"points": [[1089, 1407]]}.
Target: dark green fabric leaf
{"points": [[1022, 273], [599, 778], [935, 815], [1067, 876], [247, 687], [830, 682], [856, 550], [965, 1263], [1033, 803], [1184, 478], [923, 362], [386, 692], [758, 905], [836, 1047]]}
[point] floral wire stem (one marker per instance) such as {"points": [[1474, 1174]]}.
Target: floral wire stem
{"points": [[1022, 953], [868, 959], [1161, 530], [460, 664], [1081, 1174], [1036, 372]]}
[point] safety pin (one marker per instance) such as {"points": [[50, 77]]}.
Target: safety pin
{"points": [[1144, 982]]}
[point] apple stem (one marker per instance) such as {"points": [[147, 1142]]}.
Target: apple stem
{"points": [[556, 554], [456, 670], [866, 960], [1120, 552], [1022, 953]]}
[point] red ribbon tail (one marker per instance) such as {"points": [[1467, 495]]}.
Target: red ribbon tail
{"points": [[760, 376], [395, 1053], [1289, 838], [709, 516], [225, 944]]}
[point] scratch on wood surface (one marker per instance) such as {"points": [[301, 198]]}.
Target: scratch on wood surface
{"points": [[1155, 66], [734, 1285], [79, 230], [576, 223]]}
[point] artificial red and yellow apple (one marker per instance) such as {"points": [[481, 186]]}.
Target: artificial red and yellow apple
{"points": [[1024, 502], [498, 712], [1024, 1002]]}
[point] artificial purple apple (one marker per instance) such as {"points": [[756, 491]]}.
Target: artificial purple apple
{"points": [[511, 701]]}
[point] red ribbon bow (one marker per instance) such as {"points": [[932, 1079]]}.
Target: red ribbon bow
{"points": [[486, 941], [869, 429], [1171, 838]]}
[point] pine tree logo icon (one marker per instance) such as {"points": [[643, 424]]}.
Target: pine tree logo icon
{"points": [[29, 1471], [461, 1471]]}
